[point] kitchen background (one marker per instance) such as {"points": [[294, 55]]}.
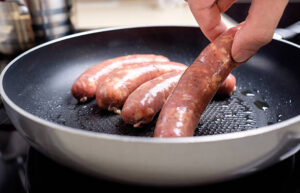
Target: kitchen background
{"points": [[51, 19], [109, 13]]}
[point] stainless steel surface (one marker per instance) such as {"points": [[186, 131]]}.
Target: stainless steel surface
{"points": [[279, 34], [53, 33], [51, 19], [41, 6], [290, 31], [16, 33], [176, 162]]}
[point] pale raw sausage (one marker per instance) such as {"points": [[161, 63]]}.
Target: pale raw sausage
{"points": [[112, 93], [85, 85]]}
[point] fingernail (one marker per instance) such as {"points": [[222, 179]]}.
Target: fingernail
{"points": [[242, 56]]}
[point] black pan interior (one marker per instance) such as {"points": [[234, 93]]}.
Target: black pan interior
{"points": [[268, 89]]}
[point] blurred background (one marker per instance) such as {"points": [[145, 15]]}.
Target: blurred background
{"points": [[25, 23], [110, 13]]}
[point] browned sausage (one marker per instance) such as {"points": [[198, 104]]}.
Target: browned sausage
{"points": [[112, 93], [195, 89], [228, 86], [85, 85], [143, 103]]}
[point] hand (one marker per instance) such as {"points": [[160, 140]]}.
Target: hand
{"points": [[257, 30]]}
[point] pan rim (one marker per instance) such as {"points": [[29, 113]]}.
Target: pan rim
{"points": [[76, 131]]}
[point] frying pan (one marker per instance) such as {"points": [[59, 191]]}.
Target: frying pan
{"points": [[255, 128]]}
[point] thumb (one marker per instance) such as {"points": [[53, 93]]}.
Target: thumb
{"points": [[247, 42], [258, 28]]}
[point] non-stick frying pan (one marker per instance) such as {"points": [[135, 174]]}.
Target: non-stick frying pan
{"points": [[256, 127]]}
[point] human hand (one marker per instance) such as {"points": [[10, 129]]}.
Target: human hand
{"points": [[256, 31]]}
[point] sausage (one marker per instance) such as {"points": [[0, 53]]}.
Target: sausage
{"points": [[85, 85], [228, 86], [112, 93], [143, 103], [197, 86]]}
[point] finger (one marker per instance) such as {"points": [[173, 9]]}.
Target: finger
{"points": [[207, 15], [223, 5], [258, 28]]}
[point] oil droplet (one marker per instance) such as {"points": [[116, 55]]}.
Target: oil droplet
{"points": [[279, 118], [261, 105], [247, 93]]}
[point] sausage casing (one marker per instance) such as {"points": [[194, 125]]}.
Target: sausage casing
{"points": [[197, 86], [143, 103], [228, 86], [112, 93], [85, 85]]}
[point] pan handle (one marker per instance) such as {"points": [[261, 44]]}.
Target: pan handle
{"points": [[280, 33], [288, 32]]}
